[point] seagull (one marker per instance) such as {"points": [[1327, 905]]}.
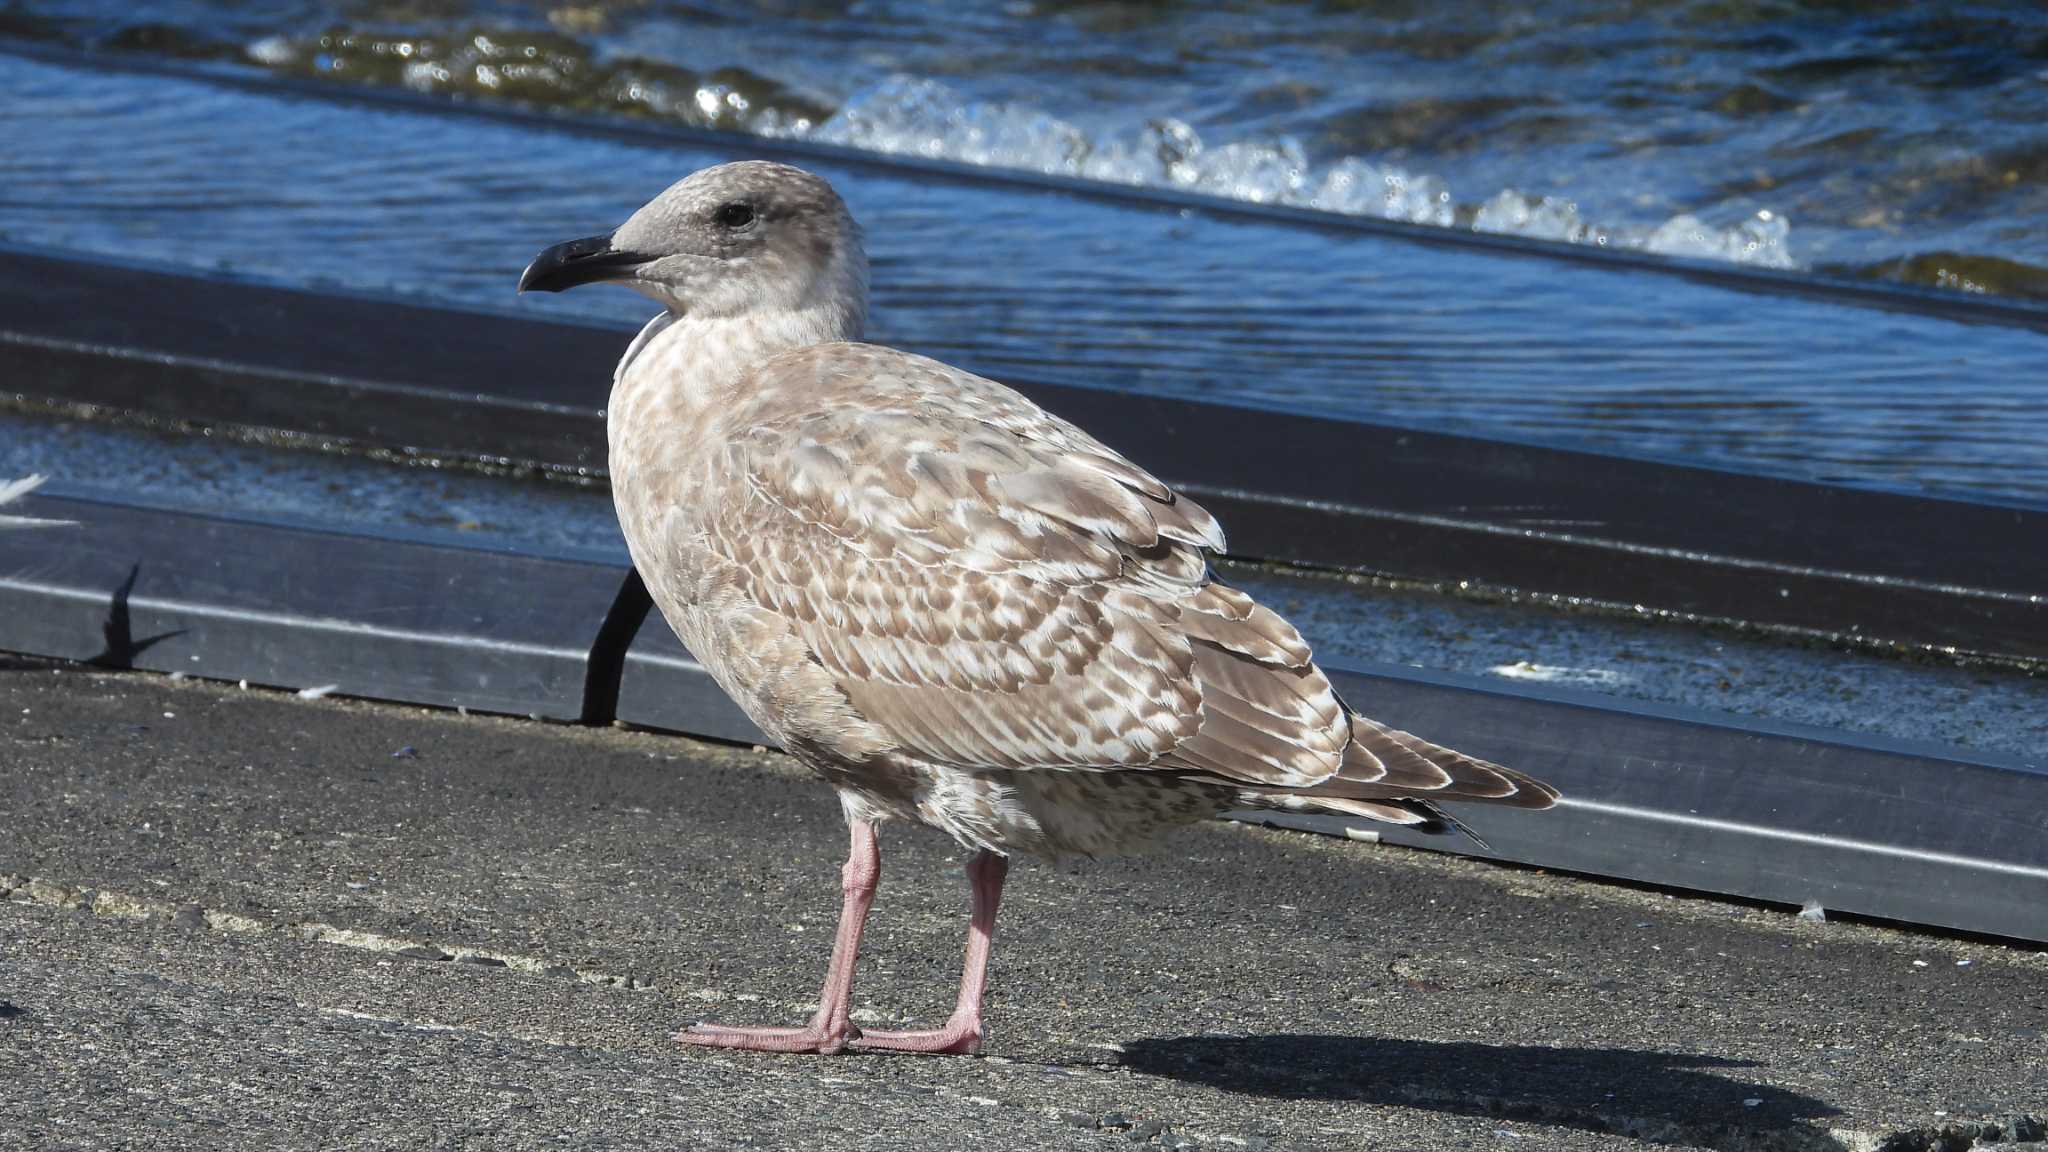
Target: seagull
{"points": [[957, 608]]}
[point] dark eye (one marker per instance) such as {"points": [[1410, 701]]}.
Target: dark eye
{"points": [[734, 216]]}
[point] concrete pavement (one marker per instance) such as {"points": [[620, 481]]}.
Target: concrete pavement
{"points": [[241, 918]]}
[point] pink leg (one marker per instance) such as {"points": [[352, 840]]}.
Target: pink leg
{"points": [[962, 1031], [830, 1029]]}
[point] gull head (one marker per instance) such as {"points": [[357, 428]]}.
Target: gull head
{"points": [[737, 240]]}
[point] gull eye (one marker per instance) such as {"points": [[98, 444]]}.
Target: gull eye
{"points": [[734, 216]]}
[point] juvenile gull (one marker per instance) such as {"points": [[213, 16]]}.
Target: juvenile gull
{"points": [[954, 606]]}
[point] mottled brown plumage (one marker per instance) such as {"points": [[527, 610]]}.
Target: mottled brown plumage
{"points": [[956, 607]]}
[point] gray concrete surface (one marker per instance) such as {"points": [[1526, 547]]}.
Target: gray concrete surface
{"points": [[226, 913]]}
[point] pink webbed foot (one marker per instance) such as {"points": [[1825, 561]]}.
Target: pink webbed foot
{"points": [[829, 1030], [815, 1037], [962, 1033], [960, 1037]]}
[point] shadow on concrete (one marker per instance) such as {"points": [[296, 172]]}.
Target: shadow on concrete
{"points": [[1662, 1097]]}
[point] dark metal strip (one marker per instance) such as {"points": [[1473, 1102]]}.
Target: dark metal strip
{"points": [[1782, 812], [290, 607], [1877, 567], [630, 609], [663, 686]]}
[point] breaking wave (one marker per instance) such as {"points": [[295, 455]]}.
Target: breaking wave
{"points": [[914, 116], [921, 117]]}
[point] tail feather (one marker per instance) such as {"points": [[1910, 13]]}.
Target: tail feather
{"points": [[1395, 777], [1385, 763], [1381, 810]]}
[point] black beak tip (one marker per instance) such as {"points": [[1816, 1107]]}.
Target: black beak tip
{"points": [[534, 280], [586, 261]]}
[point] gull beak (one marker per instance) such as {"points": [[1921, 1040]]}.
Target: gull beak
{"points": [[586, 261]]}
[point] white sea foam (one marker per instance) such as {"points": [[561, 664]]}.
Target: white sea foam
{"points": [[273, 51], [1559, 674], [922, 117]]}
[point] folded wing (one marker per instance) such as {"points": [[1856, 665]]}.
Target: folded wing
{"points": [[995, 589]]}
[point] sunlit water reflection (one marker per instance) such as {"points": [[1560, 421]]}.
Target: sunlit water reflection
{"points": [[1023, 284]]}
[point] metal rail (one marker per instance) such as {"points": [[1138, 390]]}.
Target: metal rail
{"points": [[375, 616], [1881, 568]]}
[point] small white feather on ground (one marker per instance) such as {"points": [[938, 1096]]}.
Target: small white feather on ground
{"points": [[13, 490]]}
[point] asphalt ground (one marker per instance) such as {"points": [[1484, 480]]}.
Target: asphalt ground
{"points": [[239, 918]]}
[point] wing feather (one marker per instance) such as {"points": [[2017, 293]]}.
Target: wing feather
{"points": [[985, 583], [989, 587]]}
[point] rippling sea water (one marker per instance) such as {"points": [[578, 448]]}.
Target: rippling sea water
{"points": [[1893, 141], [300, 183]]}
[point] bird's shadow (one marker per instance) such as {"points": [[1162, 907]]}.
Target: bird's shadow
{"points": [[119, 630], [119, 644], [1661, 1097]]}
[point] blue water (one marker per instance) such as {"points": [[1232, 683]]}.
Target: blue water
{"points": [[1025, 284], [1902, 141]]}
